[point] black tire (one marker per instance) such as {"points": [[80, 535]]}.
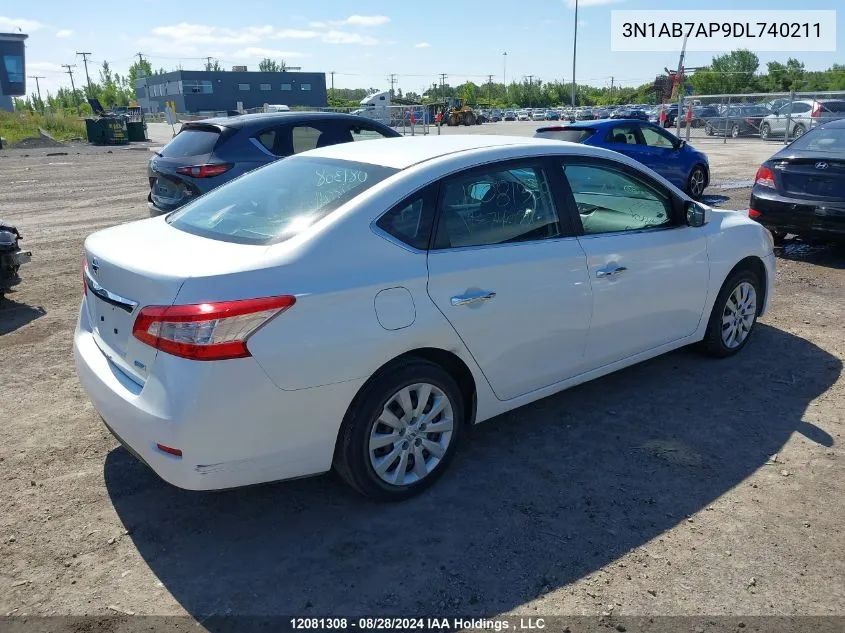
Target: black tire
{"points": [[779, 237], [765, 131], [798, 130], [352, 458], [735, 131], [713, 345], [708, 130], [696, 182]]}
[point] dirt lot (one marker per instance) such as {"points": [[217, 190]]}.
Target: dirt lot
{"points": [[680, 486]]}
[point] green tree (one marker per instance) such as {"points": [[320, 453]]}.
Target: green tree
{"points": [[268, 65]]}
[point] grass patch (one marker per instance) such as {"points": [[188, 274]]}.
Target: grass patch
{"points": [[15, 126]]}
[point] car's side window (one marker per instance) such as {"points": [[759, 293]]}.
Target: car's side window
{"points": [[609, 200], [496, 206], [366, 133], [656, 138], [410, 221], [305, 138], [626, 134], [267, 139]]}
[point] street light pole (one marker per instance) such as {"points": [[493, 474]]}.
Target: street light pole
{"points": [[505, 72], [574, 51]]}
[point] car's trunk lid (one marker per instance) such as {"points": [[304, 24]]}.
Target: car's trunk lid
{"points": [[811, 177], [193, 146], [145, 263]]}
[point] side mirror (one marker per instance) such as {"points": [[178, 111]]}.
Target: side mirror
{"points": [[696, 214], [680, 144]]}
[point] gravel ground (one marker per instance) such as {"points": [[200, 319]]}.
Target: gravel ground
{"points": [[680, 486]]}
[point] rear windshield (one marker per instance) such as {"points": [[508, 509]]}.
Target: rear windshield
{"points": [[821, 139], [191, 142], [833, 106], [571, 134], [275, 202]]}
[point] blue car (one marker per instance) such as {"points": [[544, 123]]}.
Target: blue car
{"points": [[206, 154], [674, 159]]}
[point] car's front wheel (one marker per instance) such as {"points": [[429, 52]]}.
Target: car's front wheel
{"points": [[765, 131], [735, 131], [734, 315], [696, 182], [401, 432]]}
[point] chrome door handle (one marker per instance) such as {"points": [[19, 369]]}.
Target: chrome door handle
{"points": [[610, 271], [473, 297]]}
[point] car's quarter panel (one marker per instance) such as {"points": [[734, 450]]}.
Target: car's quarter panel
{"points": [[232, 424]]}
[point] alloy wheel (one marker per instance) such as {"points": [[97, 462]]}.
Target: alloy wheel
{"points": [[738, 315], [412, 434], [696, 182]]}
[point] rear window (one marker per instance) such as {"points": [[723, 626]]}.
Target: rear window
{"points": [[191, 142], [275, 202], [571, 134], [834, 106], [821, 139]]}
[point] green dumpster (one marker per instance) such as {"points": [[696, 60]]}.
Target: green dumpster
{"points": [[106, 131], [136, 131]]}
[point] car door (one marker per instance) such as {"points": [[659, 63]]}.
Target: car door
{"points": [[777, 121], [662, 154], [510, 276], [648, 271], [800, 116]]}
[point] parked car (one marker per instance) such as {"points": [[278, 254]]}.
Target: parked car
{"points": [[538, 115], [206, 154], [523, 115], [701, 114], [584, 114], [802, 115], [801, 189], [736, 121], [359, 306], [635, 113], [602, 113], [671, 110], [552, 115], [676, 160], [495, 115], [510, 115]]}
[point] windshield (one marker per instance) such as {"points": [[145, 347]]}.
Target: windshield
{"points": [[822, 139], [278, 201]]}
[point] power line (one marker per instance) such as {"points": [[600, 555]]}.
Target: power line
{"points": [[392, 79], [72, 86]]}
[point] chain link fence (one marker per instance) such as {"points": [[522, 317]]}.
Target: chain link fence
{"points": [[756, 117]]}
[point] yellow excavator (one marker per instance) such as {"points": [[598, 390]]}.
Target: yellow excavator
{"points": [[458, 113]]}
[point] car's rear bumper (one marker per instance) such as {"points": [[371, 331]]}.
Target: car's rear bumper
{"points": [[784, 214], [232, 424]]}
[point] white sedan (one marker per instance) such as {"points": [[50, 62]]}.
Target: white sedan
{"points": [[358, 306]]}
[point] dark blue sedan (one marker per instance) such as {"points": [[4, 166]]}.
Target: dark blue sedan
{"points": [[676, 160], [206, 154]]}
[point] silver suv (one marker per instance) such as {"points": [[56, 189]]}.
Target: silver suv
{"points": [[802, 115]]}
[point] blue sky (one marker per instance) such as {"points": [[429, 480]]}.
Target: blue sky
{"points": [[364, 42]]}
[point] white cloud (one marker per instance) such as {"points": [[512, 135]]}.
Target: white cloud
{"points": [[367, 20], [295, 34], [49, 67], [583, 4], [344, 37], [64, 33], [187, 33], [422, 45], [254, 51], [12, 25], [317, 25]]}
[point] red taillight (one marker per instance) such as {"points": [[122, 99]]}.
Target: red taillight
{"points": [[754, 214], [204, 171], [177, 452], [817, 110], [207, 331], [765, 177]]}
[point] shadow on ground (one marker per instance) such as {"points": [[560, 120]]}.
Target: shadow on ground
{"points": [[830, 255], [540, 496], [14, 315]]}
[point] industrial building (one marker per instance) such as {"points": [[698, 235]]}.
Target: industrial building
{"points": [[201, 91], [12, 68]]}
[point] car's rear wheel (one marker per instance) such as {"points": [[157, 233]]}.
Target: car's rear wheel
{"points": [[708, 130], [735, 131], [798, 130], [734, 315], [696, 182], [765, 131], [401, 432]]}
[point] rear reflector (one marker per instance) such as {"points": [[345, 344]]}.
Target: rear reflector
{"points": [[177, 452], [754, 213], [207, 331], [204, 171], [765, 177]]}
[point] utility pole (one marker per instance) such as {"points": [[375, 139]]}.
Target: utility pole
{"points": [[505, 72], [611, 86], [140, 57], [680, 78], [489, 86], [208, 62], [72, 86], [332, 74], [443, 85], [530, 90], [38, 88], [87, 78], [574, 51], [392, 79]]}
